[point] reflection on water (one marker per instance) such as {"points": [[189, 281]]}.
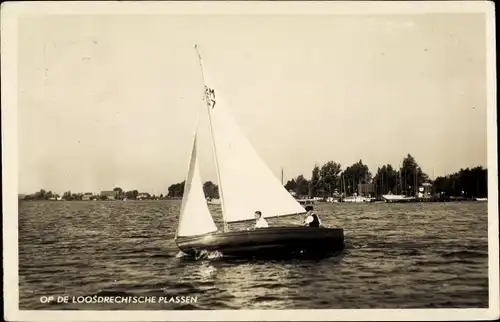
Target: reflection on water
{"points": [[396, 256]]}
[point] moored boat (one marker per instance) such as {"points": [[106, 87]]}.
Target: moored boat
{"points": [[397, 198], [306, 201], [211, 201], [356, 199]]}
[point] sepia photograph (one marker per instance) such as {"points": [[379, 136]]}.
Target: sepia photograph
{"points": [[249, 161]]}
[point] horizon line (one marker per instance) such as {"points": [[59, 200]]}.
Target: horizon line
{"points": [[293, 177]]}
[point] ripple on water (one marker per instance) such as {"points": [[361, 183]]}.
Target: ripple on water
{"points": [[396, 256]]}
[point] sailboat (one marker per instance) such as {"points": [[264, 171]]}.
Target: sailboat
{"points": [[246, 185], [395, 197]]}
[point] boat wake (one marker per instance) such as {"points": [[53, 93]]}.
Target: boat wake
{"points": [[200, 255], [181, 255], [205, 254]]}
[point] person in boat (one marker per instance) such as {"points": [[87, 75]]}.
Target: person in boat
{"points": [[312, 220], [260, 222]]}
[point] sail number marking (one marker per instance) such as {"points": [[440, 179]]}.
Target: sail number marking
{"points": [[210, 96]]}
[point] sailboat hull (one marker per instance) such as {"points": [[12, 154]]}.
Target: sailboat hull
{"points": [[266, 242]]}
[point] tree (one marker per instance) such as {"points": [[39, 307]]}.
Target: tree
{"points": [[355, 174], [176, 190], [316, 184], [48, 195], [411, 176], [479, 181], [67, 195], [39, 195], [76, 196], [329, 177], [291, 185], [211, 190], [472, 182], [119, 192], [302, 185], [385, 180]]}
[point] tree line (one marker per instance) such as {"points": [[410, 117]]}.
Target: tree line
{"points": [[174, 191], [330, 180], [118, 194], [210, 189]]}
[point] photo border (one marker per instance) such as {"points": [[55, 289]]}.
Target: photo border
{"points": [[11, 11]]}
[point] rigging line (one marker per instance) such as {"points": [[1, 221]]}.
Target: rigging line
{"points": [[213, 141]]}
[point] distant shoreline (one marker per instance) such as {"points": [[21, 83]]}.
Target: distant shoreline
{"points": [[329, 182], [416, 200]]}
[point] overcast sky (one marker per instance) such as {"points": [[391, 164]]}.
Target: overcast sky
{"points": [[108, 101]]}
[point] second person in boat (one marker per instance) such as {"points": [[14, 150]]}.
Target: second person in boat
{"points": [[312, 220], [260, 222]]}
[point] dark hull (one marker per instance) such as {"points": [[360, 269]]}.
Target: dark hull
{"points": [[266, 242]]}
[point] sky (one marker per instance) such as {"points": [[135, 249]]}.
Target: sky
{"points": [[112, 100]]}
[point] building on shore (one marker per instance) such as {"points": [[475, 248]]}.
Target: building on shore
{"points": [[366, 189], [109, 195], [87, 196], [425, 190], [143, 196]]}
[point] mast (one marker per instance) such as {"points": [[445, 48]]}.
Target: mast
{"points": [[416, 181], [282, 176], [398, 180], [404, 180], [341, 184], [214, 148], [343, 179], [401, 183], [381, 182]]}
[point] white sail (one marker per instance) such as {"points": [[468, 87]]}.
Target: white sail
{"points": [[245, 182], [195, 218]]}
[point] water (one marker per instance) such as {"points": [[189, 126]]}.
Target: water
{"points": [[397, 256]]}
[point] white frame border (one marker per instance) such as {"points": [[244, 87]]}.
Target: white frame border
{"points": [[11, 11]]}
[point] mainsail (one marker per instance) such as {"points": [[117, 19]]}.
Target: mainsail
{"points": [[246, 183], [195, 218]]}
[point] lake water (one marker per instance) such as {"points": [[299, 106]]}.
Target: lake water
{"points": [[397, 256]]}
